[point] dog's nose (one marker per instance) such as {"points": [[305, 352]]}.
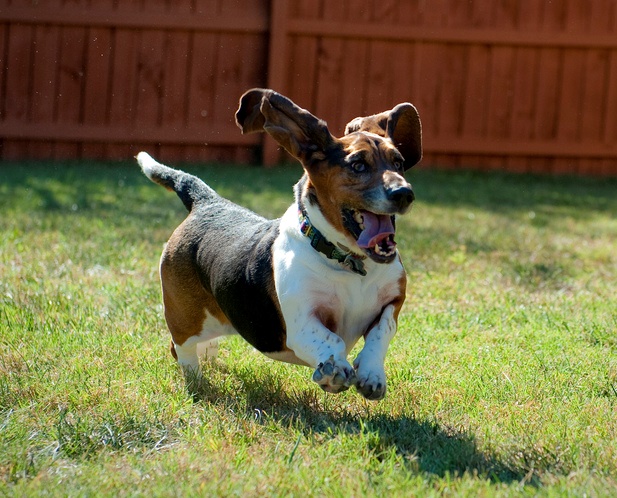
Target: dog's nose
{"points": [[402, 196]]}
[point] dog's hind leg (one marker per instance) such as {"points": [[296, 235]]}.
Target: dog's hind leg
{"points": [[193, 316], [203, 344]]}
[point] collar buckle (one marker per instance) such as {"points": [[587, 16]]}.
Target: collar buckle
{"points": [[355, 264]]}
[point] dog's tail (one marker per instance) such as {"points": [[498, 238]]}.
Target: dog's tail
{"points": [[189, 188]]}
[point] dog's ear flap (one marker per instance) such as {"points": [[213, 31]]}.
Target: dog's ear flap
{"points": [[296, 129], [401, 124]]}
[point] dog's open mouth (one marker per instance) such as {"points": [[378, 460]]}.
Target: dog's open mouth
{"points": [[374, 233]]}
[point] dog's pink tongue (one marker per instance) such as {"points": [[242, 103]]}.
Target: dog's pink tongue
{"points": [[377, 227]]}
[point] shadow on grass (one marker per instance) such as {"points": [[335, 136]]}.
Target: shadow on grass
{"points": [[119, 194], [123, 199], [92, 185], [495, 191], [424, 445]]}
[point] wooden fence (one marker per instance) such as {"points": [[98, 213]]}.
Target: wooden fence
{"points": [[105, 78], [521, 85]]}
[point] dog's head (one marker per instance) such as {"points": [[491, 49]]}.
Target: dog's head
{"points": [[357, 180]]}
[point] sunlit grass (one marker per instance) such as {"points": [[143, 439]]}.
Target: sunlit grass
{"points": [[502, 378]]}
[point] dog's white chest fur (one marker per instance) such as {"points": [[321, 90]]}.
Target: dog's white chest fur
{"points": [[316, 292]]}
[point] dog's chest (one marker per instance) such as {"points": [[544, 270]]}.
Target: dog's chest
{"points": [[349, 305], [309, 286]]}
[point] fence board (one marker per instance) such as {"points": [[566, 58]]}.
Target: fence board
{"points": [[175, 94], [44, 84], [429, 97], [523, 103], [229, 75], [473, 121], [151, 84], [253, 60], [278, 55], [329, 70], [491, 36], [381, 54], [4, 31], [500, 90], [17, 96], [70, 85], [355, 67], [610, 126], [570, 105], [177, 70], [304, 52], [147, 20], [97, 80], [128, 134], [150, 78], [477, 81], [451, 62], [203, 70], [122, 96], [525, 83], [593, 96]]}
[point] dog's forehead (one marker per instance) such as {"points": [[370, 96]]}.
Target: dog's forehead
{"points": [[366, 141]]}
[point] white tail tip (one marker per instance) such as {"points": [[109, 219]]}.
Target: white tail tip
{"points": [[146, 162]]}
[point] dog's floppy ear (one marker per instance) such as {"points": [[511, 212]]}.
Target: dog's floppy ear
{"points": [[296, 129], [401, 124]]}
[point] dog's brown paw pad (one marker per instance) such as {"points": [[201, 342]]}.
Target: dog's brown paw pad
{"points": [[334, 376]]}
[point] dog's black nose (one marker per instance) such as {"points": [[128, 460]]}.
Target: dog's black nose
{"points": [[402, 196]]}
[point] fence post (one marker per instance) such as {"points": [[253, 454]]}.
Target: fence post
{"points": [[277, 62]]}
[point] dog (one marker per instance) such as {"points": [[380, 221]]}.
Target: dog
{"points": [[306, 287]]}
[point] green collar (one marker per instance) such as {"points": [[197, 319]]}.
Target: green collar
{"points": [[352, 261]]}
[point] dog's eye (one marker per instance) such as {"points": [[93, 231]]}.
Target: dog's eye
{"points": [[358, 166], [398, 165]]}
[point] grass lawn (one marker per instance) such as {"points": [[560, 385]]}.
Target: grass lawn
{"points": [[502, 378]]}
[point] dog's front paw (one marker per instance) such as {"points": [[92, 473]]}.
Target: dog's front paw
{"points": [[371, 382], [372, 387], [335, 376]]}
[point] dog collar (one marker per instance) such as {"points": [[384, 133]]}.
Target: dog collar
{"points": [[352, 261]]}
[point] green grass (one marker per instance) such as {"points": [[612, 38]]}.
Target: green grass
{"points": [[502, 378]]}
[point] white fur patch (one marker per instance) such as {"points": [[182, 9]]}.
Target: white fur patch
{"points": [[204, 344], [147, 163]]}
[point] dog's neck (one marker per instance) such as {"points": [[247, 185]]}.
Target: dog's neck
{"points": [[353, 262], [323, 237]]}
